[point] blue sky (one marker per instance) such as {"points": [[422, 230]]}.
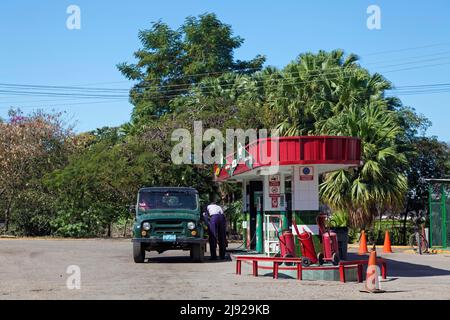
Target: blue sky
{"points": [[37, 48]]}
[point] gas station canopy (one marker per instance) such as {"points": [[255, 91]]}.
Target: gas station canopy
{"points": [[326, 153]]}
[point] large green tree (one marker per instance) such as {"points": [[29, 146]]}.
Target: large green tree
{"points": [[430, 159], [102, 179], [30, 146], [171, 61]]}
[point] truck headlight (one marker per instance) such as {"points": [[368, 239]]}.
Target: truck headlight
{"points": [[146, 226], [191, 225]]}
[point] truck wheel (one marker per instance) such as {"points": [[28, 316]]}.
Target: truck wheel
{"points": [[198, 252], [138, 252]]}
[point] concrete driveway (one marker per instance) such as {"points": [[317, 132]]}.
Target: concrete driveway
{"points": [[37, 269]]}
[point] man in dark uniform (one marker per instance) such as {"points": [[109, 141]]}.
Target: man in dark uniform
{"points": [[217, 230]]}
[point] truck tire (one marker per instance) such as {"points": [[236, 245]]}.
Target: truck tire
{"points": [[138, 252], [198, 252]]}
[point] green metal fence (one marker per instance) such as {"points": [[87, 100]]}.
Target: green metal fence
{"points": [[439, 206], [446, 212]]}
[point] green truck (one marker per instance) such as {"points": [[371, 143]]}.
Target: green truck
{"points": [[168, 218]]}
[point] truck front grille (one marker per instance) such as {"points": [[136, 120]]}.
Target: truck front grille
{"points": [[169, 227]]}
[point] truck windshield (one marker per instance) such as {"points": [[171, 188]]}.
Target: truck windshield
{"points": [[154, 200]]}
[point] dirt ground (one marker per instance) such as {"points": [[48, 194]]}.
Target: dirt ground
{"points": [[36, 269]]}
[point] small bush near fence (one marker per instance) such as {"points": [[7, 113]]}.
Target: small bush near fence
{"points": [[398, 234]]}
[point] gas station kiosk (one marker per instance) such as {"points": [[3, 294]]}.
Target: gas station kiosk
{"points": [[280, 182]]}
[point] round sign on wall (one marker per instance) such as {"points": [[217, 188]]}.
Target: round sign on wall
{"points": [[307, 173]]}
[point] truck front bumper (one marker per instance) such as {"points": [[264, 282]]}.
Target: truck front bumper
{"points": [[157, 241]]}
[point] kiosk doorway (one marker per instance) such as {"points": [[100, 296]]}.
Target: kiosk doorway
{"points": [[255, 190]]}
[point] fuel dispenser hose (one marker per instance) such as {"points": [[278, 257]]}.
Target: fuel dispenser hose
{"points": [[242, 244]]}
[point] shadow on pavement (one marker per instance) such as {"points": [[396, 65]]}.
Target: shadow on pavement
{"points": [[182, 259], [397, 268], [388, 291]]}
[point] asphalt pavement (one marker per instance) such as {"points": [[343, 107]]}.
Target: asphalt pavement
{"points": [[104, 269]]}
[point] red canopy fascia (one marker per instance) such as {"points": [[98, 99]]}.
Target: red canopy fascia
{"points": [[299, 150]]}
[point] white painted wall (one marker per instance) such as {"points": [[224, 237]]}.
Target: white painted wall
{"points": [[305, 193]]}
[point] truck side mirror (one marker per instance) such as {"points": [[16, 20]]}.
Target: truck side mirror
{"points": [[132, 210]]}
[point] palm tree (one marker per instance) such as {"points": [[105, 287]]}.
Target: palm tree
{"points": [[329, 93], [377, 185], [309, 89]]}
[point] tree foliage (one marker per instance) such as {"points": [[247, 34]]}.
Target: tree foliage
{"points": [[30, 146], [171, 62], [55, 182]]}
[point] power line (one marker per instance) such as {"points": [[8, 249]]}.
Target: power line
{"points": [[419, 67], [71, 104], [62, 94], [109, 96], [404, 90], [420, 93], [44, 100], [103, 90], [408, 49], [76, 92], [200, 85], [69, 88], [407, 58], [291, 80], [417, 61], [401, 91], [249, 69], [425, 85]]}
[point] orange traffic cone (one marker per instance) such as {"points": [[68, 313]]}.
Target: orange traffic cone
{"points": [[363, 244], [372, 275], [387, 243]]}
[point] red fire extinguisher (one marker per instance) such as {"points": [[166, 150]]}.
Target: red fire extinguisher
{"points": [[329, 241], [309, 255], [287, 246]]}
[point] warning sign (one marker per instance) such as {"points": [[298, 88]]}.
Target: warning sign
{"points": [[274, 186], [274, 191], [274, 202], [306, 173], [274, 180]]}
